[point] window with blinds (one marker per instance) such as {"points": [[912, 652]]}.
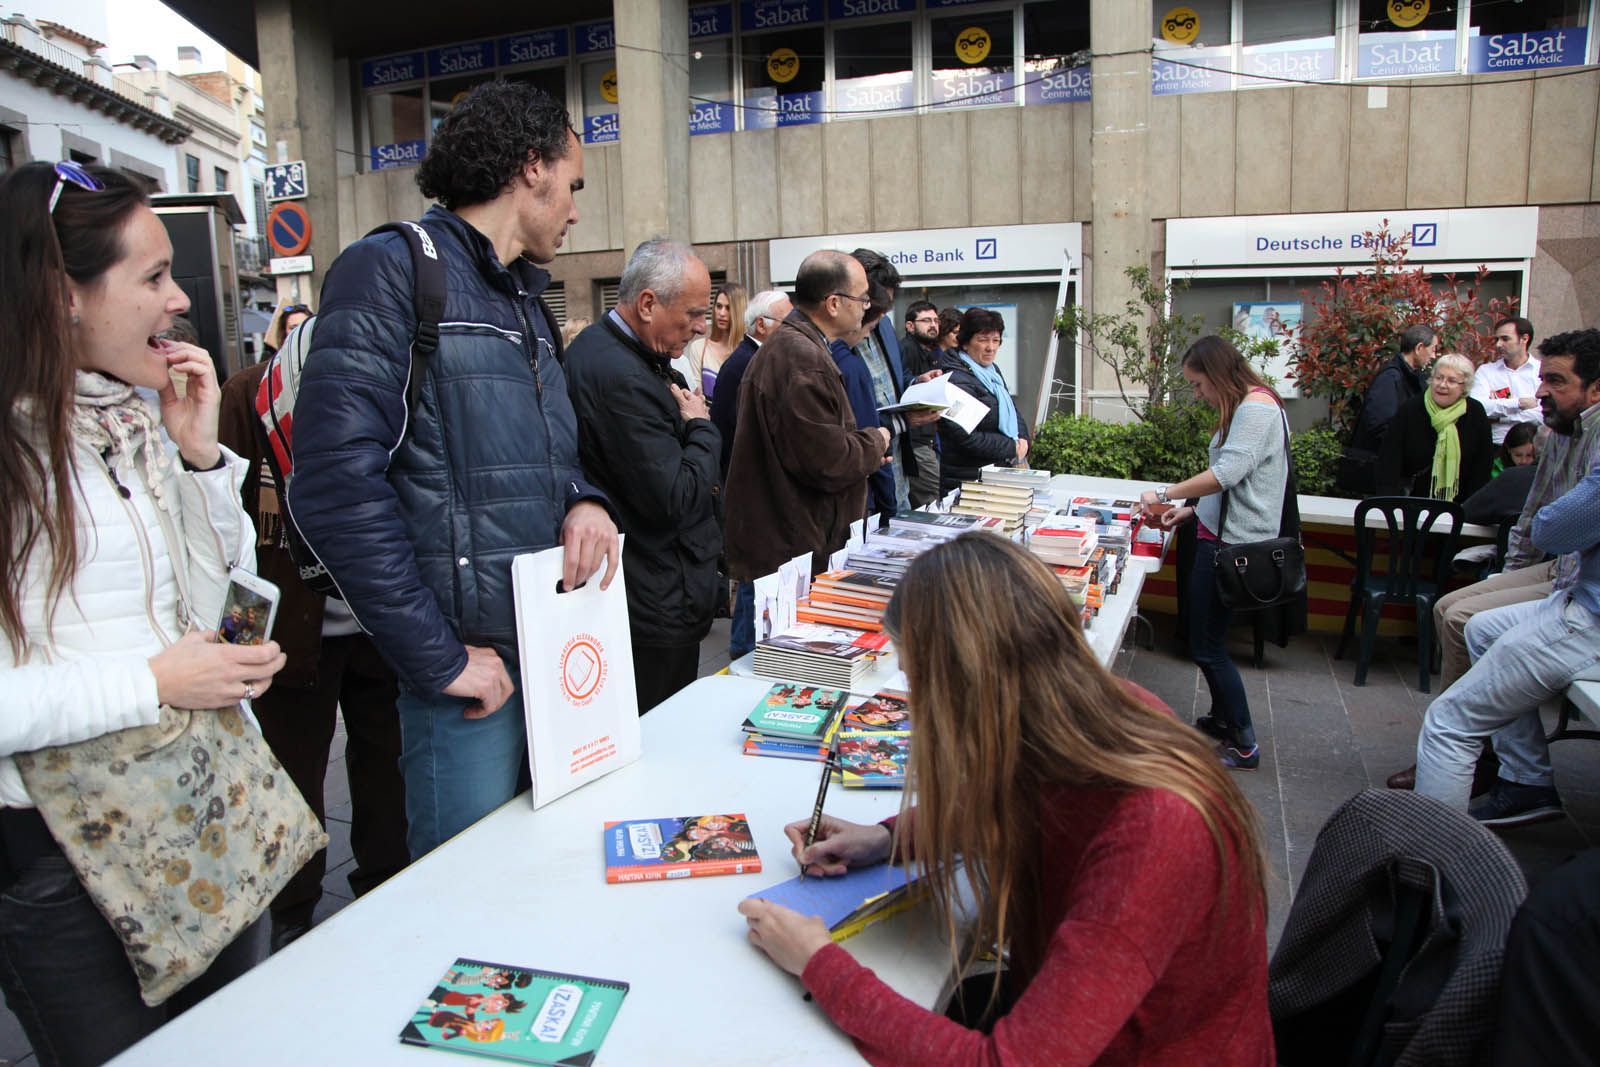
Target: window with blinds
{"points": [[556, 297]]}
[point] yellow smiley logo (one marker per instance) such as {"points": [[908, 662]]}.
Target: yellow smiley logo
{"points": [[1407, 13], [782, 65], [608, 86], [973, 44], [1181, 25]]}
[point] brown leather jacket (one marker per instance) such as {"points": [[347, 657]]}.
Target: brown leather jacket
{"points": [[798, 476]]}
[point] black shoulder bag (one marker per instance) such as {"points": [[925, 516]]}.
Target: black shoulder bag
{"points": [[1264, 574]]}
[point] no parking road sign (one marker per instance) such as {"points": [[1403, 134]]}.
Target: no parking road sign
{"points": [[288, 229]]}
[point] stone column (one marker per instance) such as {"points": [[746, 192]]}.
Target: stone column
{"points": [[653, 109], [295, 42], [1119, 140]]}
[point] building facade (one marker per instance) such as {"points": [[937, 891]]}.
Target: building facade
{"points": [[1112, 130]]}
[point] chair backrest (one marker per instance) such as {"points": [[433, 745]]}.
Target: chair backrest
{"points": [[1391, 954], [1410, 521]]}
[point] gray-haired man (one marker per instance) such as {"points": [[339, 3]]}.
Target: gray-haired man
{"points": [[648, 439]]}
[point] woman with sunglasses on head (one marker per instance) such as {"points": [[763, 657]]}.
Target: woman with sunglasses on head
{"points": [[286, 318], [1100, 846], [96, 516]]}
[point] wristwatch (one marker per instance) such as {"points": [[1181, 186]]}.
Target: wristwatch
{"points": [[1161, 495]]}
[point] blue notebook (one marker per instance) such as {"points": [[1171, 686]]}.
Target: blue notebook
{"points": [[849, 902]]}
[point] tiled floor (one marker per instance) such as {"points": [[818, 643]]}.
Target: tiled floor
{"points": [[1322, 740]]}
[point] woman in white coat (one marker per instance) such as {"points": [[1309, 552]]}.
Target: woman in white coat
{"points": [[95, 515]]}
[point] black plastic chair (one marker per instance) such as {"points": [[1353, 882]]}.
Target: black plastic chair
{"points": [[1416, 572]]}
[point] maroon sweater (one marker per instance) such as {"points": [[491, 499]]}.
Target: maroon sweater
{"points": [[1144, 966]]}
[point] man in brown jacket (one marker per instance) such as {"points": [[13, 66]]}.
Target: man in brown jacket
{"points": [[798, 477]]}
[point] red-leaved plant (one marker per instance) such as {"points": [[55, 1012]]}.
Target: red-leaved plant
{"points": [[1352, 325]]}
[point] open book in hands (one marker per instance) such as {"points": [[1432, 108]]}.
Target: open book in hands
{"points": [[950, 400]]}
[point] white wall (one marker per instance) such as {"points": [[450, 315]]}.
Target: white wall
{"points": [[48, 114]]}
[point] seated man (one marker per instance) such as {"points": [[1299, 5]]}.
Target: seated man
{"points": [[1523, 655]]}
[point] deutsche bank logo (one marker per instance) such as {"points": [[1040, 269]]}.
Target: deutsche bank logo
{"points": [[1424, 234], [988, 248]]}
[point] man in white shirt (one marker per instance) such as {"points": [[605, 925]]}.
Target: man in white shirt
{"points": [[1505, 387]]}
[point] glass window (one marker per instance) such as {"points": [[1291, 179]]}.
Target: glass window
{"points": [[220, 176], [974, 59], [396, 126], [1055, 50], [1529, 35], [872, 68], [1400, 38], [8, 157], [261, 208], [711, 107], [445, 93], [1290, 39], [191, 173], [1193, 46], [783, 78], [599, 77], [552, 80]]}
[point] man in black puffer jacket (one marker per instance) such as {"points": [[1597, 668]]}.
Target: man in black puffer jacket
{"points": [[418, 513], [649, 442]]}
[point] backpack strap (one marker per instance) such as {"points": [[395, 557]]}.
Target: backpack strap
{"points": [[427, 297]]}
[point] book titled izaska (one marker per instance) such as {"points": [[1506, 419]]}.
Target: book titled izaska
{"points": [[650, 850], [517, 1013]]}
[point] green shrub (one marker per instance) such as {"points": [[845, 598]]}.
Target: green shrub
{"points": [[1316, 460]]}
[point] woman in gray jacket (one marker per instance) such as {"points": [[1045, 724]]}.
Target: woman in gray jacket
{"points": [[1250, 463]]}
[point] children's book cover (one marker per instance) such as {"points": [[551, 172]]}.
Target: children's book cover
{"points": [[881, 711], [873, 759], [650, 850], [517, 1013], [796, 712]]}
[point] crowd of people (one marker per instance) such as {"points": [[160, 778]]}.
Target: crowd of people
{"points": [[725, 433]]}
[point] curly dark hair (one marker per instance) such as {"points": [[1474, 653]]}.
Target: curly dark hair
{"points": [[1584, 348], [486, 139]]}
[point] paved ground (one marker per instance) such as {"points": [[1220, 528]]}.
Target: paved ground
{"points": [[1322, 740]]}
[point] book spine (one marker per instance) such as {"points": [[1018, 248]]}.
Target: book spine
{"points": [[673, 872]]}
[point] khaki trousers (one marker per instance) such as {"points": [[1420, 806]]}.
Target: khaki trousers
{"points": [[1451, 613]]}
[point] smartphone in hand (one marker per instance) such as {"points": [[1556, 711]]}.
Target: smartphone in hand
{"points": [[248, 609]]}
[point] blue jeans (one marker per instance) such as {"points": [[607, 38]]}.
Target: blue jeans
{"points": [[458, 770], [68, 980], [1208, 645], [1522, 655], [742, 632]]}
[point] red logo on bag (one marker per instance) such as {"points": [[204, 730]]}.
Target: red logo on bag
{"points": [[583, 669]]}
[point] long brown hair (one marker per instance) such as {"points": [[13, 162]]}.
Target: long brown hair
{"points": [[738, 301], [39, 252], [1007, 701], [1230, 374]]}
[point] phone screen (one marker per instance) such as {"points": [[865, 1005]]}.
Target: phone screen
{"points": [[246, 616]]}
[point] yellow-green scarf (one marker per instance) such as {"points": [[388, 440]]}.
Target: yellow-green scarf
{"points": [[1447, 449]]}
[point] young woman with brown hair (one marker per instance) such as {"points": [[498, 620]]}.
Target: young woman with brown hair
{"points": [[96, 520], [1104, 847], [1250, 463]]}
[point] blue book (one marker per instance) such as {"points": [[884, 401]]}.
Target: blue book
{"points": [[850, 902]]}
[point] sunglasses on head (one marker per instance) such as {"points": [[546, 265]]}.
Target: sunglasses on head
{"points": [[296, 309], [68, 171]]}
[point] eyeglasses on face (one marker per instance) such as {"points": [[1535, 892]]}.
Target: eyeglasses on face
{"points": [[864, 301], [68, 171]]}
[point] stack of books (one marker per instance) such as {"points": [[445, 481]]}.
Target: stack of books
{"points": [[882, 560], [794, 721], [1008, 503], [1021, 477], [819, 655], [1064, 540], [875, 742], [848, 598], [942, 527]]}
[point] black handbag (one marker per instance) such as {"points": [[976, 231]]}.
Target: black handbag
{"points": [[1264, 574]]}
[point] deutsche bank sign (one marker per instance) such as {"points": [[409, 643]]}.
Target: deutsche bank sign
{"points": [[1467, 235]]}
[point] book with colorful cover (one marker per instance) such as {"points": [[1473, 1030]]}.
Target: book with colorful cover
{"points": [[873, 759], [794, 712], [850, 902], [881, 711], [517, 1013], [653, 850]]}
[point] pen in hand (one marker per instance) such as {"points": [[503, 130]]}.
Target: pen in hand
{"points": [[815, 824]]}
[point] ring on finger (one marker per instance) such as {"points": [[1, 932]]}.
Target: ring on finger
{"points": [[249, 691]]}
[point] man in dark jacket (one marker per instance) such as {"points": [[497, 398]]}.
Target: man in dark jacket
{"points": [[919, 353], [800, 465], [1398, 381], [418, 512], [647, 440]]}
